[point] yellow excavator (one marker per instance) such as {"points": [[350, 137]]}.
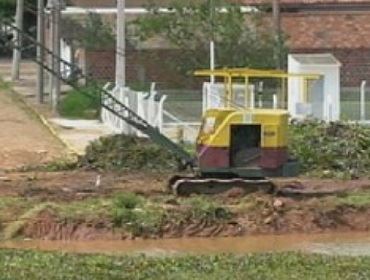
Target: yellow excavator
{"points": [[240, 145], [236, 146]]}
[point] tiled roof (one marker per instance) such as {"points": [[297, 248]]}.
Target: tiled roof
{"points": [[251, 2], [137, 3]]}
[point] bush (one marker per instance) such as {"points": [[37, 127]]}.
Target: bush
{"points": [[204, 208], [78, 105], [127, 201], [332, 150], [129, 153], [132, 213]]}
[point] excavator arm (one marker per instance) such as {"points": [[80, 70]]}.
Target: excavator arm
{"points": [[108, 101]]}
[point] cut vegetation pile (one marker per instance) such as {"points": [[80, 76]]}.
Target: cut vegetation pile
{"points": [[334, 150], [339, 150], [120, 152]]}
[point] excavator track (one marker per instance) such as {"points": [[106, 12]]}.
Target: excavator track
{"points": [[187, 185]]}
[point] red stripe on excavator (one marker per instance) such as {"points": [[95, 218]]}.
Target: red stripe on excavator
{"points": [[273, 158], [213, 157], [219, 157]]}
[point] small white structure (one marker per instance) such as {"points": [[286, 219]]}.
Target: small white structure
{"points": [[322, 100], [66, 54]]}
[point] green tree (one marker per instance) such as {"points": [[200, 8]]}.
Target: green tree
{"points": [[242, 39], [7, 11], [7, 7], [92, 33]]}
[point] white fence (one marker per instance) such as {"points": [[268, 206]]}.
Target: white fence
{"points": [[147, 105], [354, 104]]}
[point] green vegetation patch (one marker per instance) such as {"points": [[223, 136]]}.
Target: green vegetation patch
{"points": [[15, 264], [83, 103], [206, 208], [337, 149], [87, 209], [356, 199], [136, 215], [120, 152]]}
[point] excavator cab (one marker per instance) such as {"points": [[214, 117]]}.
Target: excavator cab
{"points": [[239, 145], [239, 148], [249, 143]]}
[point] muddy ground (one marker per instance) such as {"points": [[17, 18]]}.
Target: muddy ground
{"points": [[87, 205], [80, 205]]}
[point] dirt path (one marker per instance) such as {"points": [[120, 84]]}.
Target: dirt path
{"points": [[23, 139]]}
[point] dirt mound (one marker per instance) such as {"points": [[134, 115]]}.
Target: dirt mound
{"points": [[48, 227], [334, 149], [120, 152]]}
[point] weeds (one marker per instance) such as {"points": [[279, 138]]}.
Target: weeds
{"points": [[14, 228], [63, 164], [136, 215], [77, 105], [88, 209], [127, 201], [204, 208], [4, 85], [337, 149], [356, 199]]}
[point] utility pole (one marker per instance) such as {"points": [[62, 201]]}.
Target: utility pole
{"points": [[55, 9], [40, 50], [212, 42], [121, 45], [121, 61], [277, 30], [55, 96], [50, 46], [17, 54]]}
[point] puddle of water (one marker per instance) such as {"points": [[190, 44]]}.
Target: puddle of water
{"points": [[333, 243]]}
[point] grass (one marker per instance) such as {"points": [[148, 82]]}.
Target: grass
{"points": [[140, 216], [15, 264], [205, 208], [68, 162], [136, 215], [77, 105], [13, 228], [130, 212], [4, 85], [356, 199], [87, 209]]}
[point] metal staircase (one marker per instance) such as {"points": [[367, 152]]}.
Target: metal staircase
{"points": [[108, 101]]}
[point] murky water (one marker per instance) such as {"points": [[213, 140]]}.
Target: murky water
{"points": [[353, 244]]}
